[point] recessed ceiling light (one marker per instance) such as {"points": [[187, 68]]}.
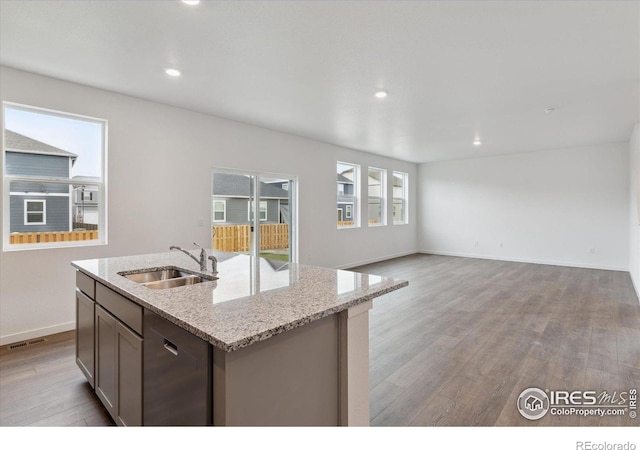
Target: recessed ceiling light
{"points": [[381, 94], [191, 2], [172, 72], [477, 141]]}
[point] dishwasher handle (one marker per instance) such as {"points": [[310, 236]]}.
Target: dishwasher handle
{"points": [[170, 347]]}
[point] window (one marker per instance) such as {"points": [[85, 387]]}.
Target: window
{"points": [[377, 196], [348, 179], [35, 212], [400, 189], [54, 171], [219, 210], [263, 210]]}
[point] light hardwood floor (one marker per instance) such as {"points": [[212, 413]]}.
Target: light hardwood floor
{"points": [[456, 347]]}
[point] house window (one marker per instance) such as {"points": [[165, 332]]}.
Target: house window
{"points": [[348, 189], [263, 211], [35, 212], [54, 170], [377, 196], [400, 198], [219, 211]]}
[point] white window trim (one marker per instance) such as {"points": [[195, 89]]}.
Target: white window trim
{"points": [[404, 198], [99, 182], [224, 210], [266, 211], [44, 212]]}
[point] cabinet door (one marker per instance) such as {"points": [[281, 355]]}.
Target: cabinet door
{"points": [[106, 347], [129, 381], [85, 335]]}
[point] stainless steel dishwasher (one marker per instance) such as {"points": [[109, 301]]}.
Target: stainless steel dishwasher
{"points": [[178, 386]]}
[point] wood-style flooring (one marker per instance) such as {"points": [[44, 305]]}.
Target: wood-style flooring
{"points": [[456, 347], [467, 336]]}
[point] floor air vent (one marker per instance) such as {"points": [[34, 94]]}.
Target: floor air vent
{"points": [[23, 344]]}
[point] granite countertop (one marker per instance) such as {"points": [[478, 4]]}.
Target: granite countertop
{"points": [[252, 299]]}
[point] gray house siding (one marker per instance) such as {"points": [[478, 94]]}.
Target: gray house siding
{"points": [[343, 208], [27, 157], [31, 164], [57, 217], [238, 211], [44, 188]]}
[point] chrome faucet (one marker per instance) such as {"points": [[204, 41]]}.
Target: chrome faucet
{"points": [[203, 258]]}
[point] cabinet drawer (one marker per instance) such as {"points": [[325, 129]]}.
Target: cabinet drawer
{"points": [[86, 284], [124, 309]]}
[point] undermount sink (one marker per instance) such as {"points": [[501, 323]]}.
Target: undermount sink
{"points": [[175, 282], [166, 277]]}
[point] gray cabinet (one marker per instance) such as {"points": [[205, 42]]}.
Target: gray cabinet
{"points": [[85, 329], [106, 359], [109, 348], [118, 369], [129, 376]]}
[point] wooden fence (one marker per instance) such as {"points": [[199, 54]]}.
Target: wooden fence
{"points": [[52, 236], [86, 226], [236, 238], [350, 223]]}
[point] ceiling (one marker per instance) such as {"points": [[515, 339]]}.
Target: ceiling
{"points": [[453, 70]]}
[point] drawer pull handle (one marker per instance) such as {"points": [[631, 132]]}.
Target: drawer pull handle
{"points": [[170, 347]]}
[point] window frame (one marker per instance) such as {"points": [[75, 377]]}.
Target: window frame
{"points": [[27, 212], [403, 200], [99, 182], [383, 197], [266, 210], [355, 198], [224, 210]]}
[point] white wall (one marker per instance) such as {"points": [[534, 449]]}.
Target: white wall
{"points": [[634, 206], [160, 161], [544, 207]]}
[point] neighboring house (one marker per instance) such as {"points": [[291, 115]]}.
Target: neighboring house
{"points": [[346, 196], [85, 207], [38, 206], [231, 200]]}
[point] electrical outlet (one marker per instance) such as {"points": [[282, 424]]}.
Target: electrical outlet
{"points": [[201, 222], [500, 244], [476, 244], [592, 250]]}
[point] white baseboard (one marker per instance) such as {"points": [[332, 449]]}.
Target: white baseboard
{"points": [[375, 260], [526, 260], [40, 332]]}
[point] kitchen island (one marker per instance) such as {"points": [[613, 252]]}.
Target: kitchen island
{"points": [[261, 342]]}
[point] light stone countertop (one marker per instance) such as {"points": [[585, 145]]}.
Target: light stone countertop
{"points": [[249, 302]]}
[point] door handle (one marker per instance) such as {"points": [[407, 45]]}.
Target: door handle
{"points": [[170, 347]]}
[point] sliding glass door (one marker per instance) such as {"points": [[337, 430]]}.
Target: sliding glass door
{"points": [[255, 213]]}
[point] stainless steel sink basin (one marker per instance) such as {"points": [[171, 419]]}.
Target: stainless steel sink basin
{"points": [[166, 277], [175, 282], [155, 275]]}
